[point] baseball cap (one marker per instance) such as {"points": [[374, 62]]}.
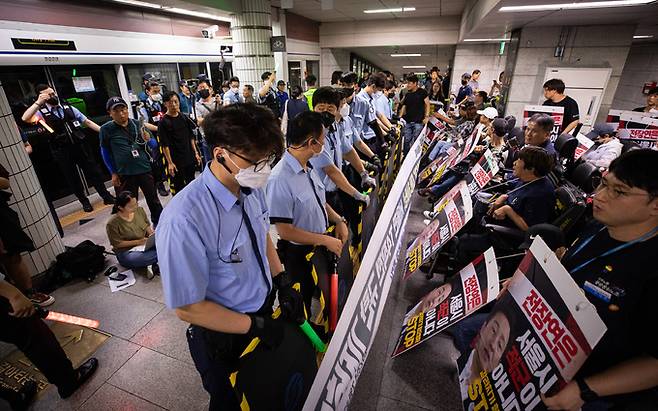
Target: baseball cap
{"points": [[466, 75], [182, 83], [115, 101], [499, 126], [148, 76], [551, 235], [489, 113], [599, 129]]}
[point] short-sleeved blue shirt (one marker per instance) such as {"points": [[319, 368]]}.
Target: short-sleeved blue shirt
{"points": [[204, 225], [296, 196], [534, 202], [332, 154], [368, 115], [382, 105]]}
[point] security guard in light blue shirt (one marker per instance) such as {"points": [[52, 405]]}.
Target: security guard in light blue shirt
{"points": [[218, 264], [298, 208]]}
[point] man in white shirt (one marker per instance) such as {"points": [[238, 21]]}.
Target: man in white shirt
{"points": [[609, 145]]}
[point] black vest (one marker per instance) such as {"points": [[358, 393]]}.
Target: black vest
{"points": [[153, 111], [67, 130]]}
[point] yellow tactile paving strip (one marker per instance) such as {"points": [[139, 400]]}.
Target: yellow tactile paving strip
{"points": [[81, 215]]}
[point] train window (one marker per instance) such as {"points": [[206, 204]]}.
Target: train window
{"points": [[87, 87], [167, 75]]}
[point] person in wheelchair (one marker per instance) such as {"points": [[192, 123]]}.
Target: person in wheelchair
{"points": [[531, 201], [608, 146]]}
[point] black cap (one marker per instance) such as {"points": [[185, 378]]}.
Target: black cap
{"points": [[148, 76], [182, 83], [551, 235], [600, 129], [115, 101], [499, 126]]}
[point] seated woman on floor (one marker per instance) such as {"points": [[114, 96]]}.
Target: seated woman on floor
{"points": [[129, 227]]}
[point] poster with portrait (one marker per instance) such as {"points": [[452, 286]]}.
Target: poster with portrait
{"points": [[536, 337], [452, 211], [482, 172], [556, 112], [638, 127], [475, 286]]}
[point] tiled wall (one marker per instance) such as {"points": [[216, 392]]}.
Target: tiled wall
{"points": [[27, 199], [641, 67]]}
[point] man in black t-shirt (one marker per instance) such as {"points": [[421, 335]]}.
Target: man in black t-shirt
{"points": [[415, 111], [615, 266], [554, 94], [652, 102], [177, 138]]}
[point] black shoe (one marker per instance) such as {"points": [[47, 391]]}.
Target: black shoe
{"points": [[84, 372], [156, 269], [21, 400], [86, 206], [109, 199], [162, 190]]}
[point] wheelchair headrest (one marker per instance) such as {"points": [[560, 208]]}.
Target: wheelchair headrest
{"points": [[586, 176], [628, 145], [566, 145]]}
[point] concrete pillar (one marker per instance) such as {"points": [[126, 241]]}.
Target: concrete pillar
{"points": [[251, 31], [281, 58], [28, 199]]}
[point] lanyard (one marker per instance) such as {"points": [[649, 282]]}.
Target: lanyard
{"points": [[317, 198], [254, 245], [610, 251]]}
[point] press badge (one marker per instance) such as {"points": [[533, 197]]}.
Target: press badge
{"points": [[135, 153]]}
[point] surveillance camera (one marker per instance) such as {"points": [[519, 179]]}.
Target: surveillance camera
{"points": [[209, 32]]}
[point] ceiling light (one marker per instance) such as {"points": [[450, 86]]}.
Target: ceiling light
{"points": [[175, 10], [394, 10], [486, 40], [414, 67], [406, 55], [574, 6], [138, 3], [196, 14], [643, 37]]}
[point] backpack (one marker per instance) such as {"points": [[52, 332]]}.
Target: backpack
{"points": [[84, 260]]}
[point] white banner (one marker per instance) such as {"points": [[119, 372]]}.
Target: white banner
{"points": [[342, 364]]}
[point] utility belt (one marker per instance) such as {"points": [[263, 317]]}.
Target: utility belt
{"points": [[224, 347]]}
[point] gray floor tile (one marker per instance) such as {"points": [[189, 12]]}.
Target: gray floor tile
{"points": [[165, 334], [388, 404], [119, 313], [110, 398], [167, 382], [111, 356]]}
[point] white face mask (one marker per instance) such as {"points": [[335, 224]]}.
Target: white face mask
{"points": [[156, 97], [235, 90], [319, 153], [248, 177], [378, 94], [345, 110]]}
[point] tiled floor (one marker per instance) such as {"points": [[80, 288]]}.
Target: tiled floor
{"points": [[146, 364]]}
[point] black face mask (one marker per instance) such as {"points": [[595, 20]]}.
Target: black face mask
{"points": [[53, 101], [328, 119], [464, 82], [391, 94], [204, 93]]}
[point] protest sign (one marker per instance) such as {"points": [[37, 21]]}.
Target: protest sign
{"points": [[557, 113], [639, 128], [584, 144], [475, 286], [482, 172], [453, 211], [535, 339], [357, 326]]}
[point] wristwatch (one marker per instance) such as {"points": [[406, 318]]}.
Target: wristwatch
{"points": [[343, 220], [586, 393]]}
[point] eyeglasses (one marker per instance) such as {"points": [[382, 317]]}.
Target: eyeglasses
{"points": [[260, 164], [615, 192]]}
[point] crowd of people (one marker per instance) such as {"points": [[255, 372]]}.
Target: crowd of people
{"points": [[239, 160]]}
